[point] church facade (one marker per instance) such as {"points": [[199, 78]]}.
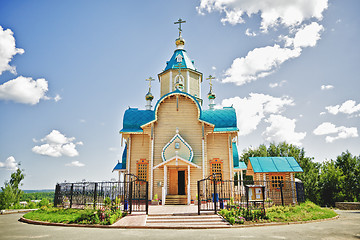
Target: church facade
{"points": [[178, 142]]}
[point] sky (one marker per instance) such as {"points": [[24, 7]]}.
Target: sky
{"points": [[69, 70]]}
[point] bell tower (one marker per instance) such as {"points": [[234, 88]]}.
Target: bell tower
{"points": [[180, 72]]}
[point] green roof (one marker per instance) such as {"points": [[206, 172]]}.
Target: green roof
{"points": [[186, 62], [235, 155], [224, 119], [122, 165], [274, 164], [134, 118]]}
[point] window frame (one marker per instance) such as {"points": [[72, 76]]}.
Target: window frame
{"points": [[142, 163]]}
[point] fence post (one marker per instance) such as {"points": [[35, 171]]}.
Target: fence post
{"points": [[130, 196], [198, 198], [56, 197], [95, 195], [84, 194], [281, 193], [147, 197], [71, 194], [214, 197]]}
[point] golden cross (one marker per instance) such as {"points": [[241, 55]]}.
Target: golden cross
{"points": [[180, 21], [150, 79], [179, 67], [210, 78]]}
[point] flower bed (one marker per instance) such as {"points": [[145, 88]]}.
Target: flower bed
{"points": [[302, 212]]}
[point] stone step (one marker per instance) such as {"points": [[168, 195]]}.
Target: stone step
{"points": [[191, 221], [176, 196], [196, 217]]}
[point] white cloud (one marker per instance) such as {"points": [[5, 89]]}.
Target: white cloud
{"points": [[263, 61], [348, 107], [342, 132], [57, 145], [282, 129], [24, 90], [7, 50], [258, 63], [322, 113], [9, 164], [326, 87], [325, 128], [277, 84], [75, 164], [252, 110], [272, 12], [307, 36], [57, 98], [249, 33], [213, 68]]}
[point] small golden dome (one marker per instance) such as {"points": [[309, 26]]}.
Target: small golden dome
{"points": [[180, 41]]}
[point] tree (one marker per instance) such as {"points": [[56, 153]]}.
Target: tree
{"points": [[310, 176], [350, 166], [11, 193], [331, 183]]}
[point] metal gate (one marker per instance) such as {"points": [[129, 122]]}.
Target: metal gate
{"points": [[131, 195], [215, 193]]}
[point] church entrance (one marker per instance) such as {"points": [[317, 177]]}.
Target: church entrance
{"points": [[177, 182], [181, 182]]}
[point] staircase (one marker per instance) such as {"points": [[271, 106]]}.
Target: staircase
{"points": [[176, 200], [186, 221]]}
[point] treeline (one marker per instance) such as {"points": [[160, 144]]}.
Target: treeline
{"points": [[337, 180], [37, 196]]}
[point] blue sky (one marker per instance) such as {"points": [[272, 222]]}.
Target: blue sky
{"points": [[69, 69]]}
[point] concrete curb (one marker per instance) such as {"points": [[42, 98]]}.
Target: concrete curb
{"points": [[4, 212], [24, 220]]}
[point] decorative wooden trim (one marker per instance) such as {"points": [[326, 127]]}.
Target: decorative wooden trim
{"points": [[218, 162], [146, 164]]}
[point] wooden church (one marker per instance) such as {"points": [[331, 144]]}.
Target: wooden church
{"points": [[179, 142]]}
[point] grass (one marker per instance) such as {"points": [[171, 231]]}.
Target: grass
{"points": [[56, 215], [302, 212], [79, 216]]}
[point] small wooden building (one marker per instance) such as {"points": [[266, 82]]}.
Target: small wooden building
{"points": [[272, 172]]}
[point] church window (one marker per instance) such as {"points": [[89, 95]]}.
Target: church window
{"points": [[216, 168], [177, 145], [276, 180], [142, 169], [179, 58]]}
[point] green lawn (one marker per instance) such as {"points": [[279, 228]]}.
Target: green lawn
{"points": [[80, 216], [302, 212]]}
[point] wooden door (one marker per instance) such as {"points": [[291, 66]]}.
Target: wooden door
{"points": [[173, 181]]}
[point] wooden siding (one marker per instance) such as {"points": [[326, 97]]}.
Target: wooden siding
{"points": [[218, 147], [140, 149], [185, 118]]}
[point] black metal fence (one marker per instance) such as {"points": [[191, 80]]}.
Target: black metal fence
{"points": [[130, 195], [215, 194]]}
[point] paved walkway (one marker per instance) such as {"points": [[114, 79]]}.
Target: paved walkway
{"points": [[346, 227], [180, 216]]}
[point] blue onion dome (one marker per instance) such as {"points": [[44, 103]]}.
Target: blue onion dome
{"points": [[211, 95], [149, 96]]}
